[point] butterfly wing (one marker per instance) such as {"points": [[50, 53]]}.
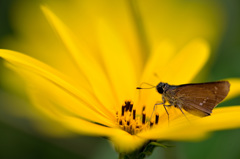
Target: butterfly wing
{"points": [[200, 99]]}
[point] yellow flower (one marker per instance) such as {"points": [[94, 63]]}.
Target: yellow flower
{"points": [[91, 103]]}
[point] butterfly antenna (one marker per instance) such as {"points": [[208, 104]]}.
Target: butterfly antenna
{"points": [[152, 86]]}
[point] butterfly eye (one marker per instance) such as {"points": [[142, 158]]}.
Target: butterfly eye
{"points": [[160, 89]]}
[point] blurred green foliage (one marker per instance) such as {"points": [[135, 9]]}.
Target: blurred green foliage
{"points": [[24, 142]]}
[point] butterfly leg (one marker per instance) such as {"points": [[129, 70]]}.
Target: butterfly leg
{"points": [[183, 113], [166, 111], [160, 103], [154, 109]]}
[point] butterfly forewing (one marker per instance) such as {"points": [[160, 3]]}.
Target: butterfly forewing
{"points": [[200, 99]]}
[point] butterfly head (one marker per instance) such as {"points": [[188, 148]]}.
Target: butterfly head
{"points": [[162, 87]]}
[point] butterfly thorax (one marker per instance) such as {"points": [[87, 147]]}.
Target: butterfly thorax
{"points": [[168, 93]]}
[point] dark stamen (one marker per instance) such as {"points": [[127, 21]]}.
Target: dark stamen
{"points": [[143, 108], [127, 104], [134, 114], [143, 118], [123, 108], [151, 124], [157, 119], [130, 108]]}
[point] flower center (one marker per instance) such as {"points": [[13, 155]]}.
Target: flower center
{"points": [[134, 123]]}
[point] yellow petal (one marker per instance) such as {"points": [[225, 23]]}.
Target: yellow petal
{"points": [[37, 38], [234, 87], [68, 119], [187, 63], [91, 69], [158, 59], [64, 102], [221, 118], [197, 128], [118, 62], [152, 73], [54, 78], [124, 142]]}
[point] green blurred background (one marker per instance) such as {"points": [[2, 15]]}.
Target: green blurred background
{"points": [[19, 138]]}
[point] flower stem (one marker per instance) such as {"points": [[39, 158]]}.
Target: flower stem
{"points": [[171, 152]]}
